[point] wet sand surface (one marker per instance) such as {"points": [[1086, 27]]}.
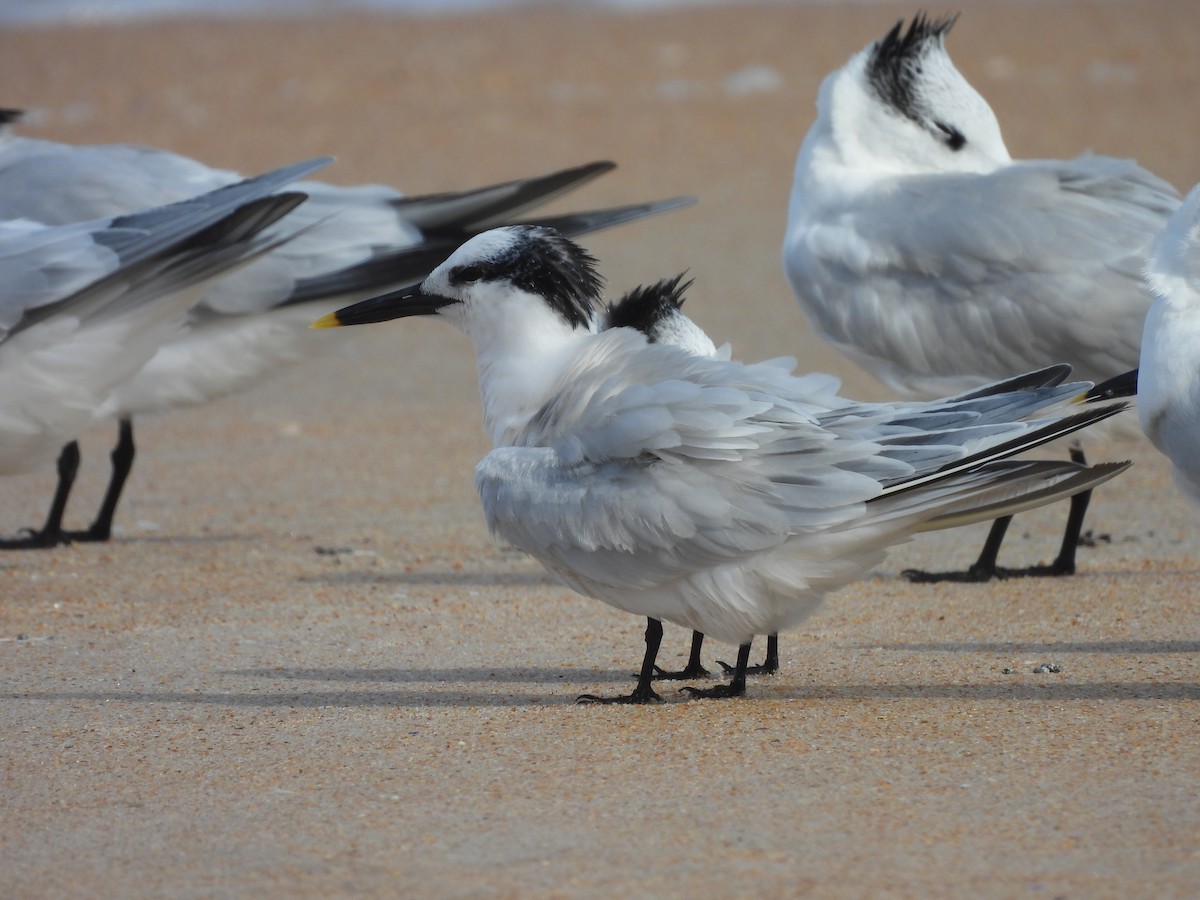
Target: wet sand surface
{"points": [[302, 667]]}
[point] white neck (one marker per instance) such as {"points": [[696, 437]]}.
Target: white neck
{"points": [[520, 357]]}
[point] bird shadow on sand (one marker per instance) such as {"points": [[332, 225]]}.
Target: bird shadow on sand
{"points": [[484, 687], [1045, 648], [448, 577]]}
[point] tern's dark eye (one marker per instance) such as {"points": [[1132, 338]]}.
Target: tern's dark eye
{"points": [[955, 139], [467, 274]]}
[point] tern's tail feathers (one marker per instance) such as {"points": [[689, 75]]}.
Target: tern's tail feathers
{"points": [[469, 212], [1025, 440], [1014, 486]]}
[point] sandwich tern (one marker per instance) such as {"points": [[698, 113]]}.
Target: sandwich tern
{"points": [[1169, 379], [920, 249], [722, 497], [84, 306], [357, 242]]}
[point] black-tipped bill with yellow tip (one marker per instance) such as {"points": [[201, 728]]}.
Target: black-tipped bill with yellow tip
{"points": [[396, 305]]}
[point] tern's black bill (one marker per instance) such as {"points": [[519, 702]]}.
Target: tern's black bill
{"points": [[396, 305]]}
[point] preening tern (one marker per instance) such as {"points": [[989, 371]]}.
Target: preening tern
{"points": [[919, 248], [722, 497]]}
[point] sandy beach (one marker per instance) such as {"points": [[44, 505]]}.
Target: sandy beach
{"points": [[302, 667]]}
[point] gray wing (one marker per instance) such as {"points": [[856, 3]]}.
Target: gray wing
{"points": [[640, 483], [45, 269], [341, 226], [986, 275], [57, 183], [356, 241], [651, 463]]}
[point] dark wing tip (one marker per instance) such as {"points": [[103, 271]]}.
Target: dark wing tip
{"points": [[1123, 385]]}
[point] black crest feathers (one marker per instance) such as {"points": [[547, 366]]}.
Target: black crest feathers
{"points": [[546, 263], [895, 61], [646, 306]]}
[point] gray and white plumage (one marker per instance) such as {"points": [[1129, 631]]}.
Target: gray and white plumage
{"points": [[358, 241], [919, 248], [84, 306], [723, 497], [938, 265], [354, 242], [1169, 375], [656, 311]]}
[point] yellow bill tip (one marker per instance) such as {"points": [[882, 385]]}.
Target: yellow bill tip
{"points": [[327, 321]]}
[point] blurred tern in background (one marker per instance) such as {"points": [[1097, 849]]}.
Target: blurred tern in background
{"points": [[722, 497], [919, 248], [84, 306], [1169, 375], [357, 242]]}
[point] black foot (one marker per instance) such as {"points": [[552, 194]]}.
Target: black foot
{"points": [[643, 693], [693, 669], [687, 673], [981, 574], [35, 540], [769, 665], [638, 696], [973, 575], [91, 535], [734, 688], [719, 691], [765, 668]]}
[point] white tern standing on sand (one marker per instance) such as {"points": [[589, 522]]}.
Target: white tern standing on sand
{"points": [[721, 497], [919, 248]]}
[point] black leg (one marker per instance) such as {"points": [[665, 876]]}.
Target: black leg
{"points": [[122, 462], [770, 664], [693, 669], [1064, 563], [643, 693], [983, 569], [51, 534], [735, 687]]}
